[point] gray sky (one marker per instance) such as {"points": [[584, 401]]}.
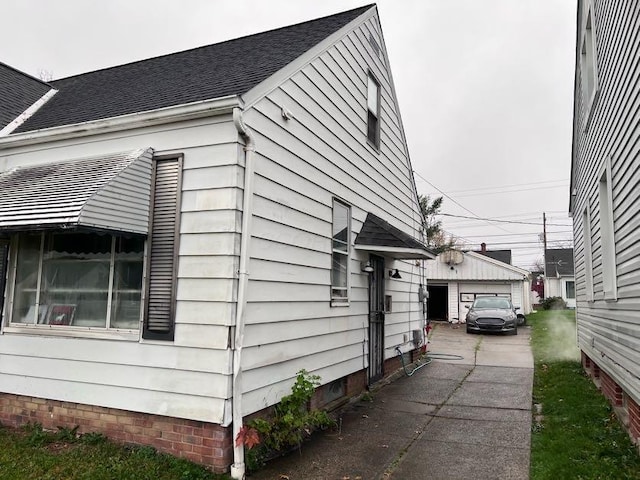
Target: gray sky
{"points": [[485, 87]]}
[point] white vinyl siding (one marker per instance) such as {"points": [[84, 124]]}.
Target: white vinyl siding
{"points": [[186, 378], [302, 165], [608, 330]]}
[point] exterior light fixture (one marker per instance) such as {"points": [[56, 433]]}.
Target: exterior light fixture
{"points": [[394, 274], [366, 267]]}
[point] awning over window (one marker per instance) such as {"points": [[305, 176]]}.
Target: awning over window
{"points": [[379, 237], [108, 192]]}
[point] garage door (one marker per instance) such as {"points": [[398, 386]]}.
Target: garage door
{"points": [[469, 291]]}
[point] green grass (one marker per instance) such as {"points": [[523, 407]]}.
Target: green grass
{"points": [[31, 453], [578, 436]]}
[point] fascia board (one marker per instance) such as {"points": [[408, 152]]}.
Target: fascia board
{"points": [[204, 108], [274, 81]]}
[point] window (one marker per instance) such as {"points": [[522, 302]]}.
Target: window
{"points": [[340, 251], [78, 279], [608, 253], [570, 289], [373, 111], [588, 262], [163, 248], [588, 65]]}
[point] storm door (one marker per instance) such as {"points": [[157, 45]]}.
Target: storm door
{"points": [[376, 319]]}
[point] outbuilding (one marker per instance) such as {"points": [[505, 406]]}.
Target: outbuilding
{"points": [[456, 278]]}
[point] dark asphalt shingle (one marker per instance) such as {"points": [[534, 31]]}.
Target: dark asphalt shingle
{"points": [[378, 232], [228, 68], [503, 256], [18, 91]]}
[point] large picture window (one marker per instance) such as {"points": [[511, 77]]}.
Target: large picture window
{"points": [[78, 279], [340, 251]]}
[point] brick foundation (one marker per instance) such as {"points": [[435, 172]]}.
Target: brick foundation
{"points": [[201, 442], [626, 407]]}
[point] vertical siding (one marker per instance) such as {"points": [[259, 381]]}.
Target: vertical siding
{"points": [[301, 165], [189, 377], [454, 305], [610, 330]]}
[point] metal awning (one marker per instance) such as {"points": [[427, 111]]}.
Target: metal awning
{"points": [[380, 237], [107, 192]]}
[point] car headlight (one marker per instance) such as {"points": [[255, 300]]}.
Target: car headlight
{"points": [[511, 316]]}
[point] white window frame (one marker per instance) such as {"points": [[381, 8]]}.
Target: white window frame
{"points": [[67, 330], [338, 300], [607, 237], [587, 252], [374, 94], [588, 63]]}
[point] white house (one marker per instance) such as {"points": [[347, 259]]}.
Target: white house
{"points": [[184, 233], [605, 173], [456, 278], [559, 279]]}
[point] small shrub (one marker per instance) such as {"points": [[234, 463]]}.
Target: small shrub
{"points": [[291, 423], [553, 303]]}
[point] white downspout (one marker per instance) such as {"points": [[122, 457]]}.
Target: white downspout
{"points": [[238, 467]]}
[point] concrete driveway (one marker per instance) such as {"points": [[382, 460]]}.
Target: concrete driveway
{"points": [[467, 418]]}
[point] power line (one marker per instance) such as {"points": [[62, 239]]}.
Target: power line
{"points": [[453, 200], [516, 234], [502, 221], [499, 187]]}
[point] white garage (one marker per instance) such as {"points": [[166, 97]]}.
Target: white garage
{"points": [[456, 278]]}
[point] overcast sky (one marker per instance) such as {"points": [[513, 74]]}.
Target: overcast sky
{"points": [[485, 87]]}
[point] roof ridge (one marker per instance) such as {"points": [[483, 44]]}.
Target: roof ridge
{"points": [[70, 77], [26, 74]]}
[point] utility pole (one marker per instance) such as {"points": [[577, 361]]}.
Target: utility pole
{"points": [[544, 241]]}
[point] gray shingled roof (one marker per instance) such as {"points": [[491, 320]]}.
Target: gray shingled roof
{"points": [[18, 91], [228, 68], [559, 261], [377, 232], [503, 256]]}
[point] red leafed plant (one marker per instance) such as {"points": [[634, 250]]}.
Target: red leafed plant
{"points": [[248, 436]]}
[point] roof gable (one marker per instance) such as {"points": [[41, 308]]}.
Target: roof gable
{"points": [[474, 266], [559, 261], [500, 255], [228, 68], [18, 91]]}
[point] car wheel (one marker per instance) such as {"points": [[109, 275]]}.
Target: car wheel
{"points": [[469, 330], [522, 320]]}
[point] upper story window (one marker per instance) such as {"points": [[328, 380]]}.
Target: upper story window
{"points": [[373, 111], [588, 255], [78, 279], [588, 63], [341, 234]]}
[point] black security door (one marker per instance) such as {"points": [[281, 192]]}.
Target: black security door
{"points": [[376, 319]]}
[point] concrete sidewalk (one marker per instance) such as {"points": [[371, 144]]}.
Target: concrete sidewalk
{"points": [[453, 419]]}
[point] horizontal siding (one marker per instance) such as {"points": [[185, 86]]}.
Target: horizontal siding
{"points": [[301, 165], [189, 377], [610, 331]]}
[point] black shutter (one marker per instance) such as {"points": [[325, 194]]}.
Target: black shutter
{"points": [[163, 249], [4, 250]]}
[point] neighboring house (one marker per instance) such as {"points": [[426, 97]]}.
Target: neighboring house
{"points": [[559, 280], [456, 278], [503, 256], [605, 199], [188, 232]]}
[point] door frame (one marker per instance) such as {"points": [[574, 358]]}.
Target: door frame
{"points": [[376, 319]]}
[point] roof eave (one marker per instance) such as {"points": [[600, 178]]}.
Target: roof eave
{"points": [[498, 263], [189, 111], [399, 253]]}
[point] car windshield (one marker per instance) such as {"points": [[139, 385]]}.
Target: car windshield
{"points": [[491, 302]]}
